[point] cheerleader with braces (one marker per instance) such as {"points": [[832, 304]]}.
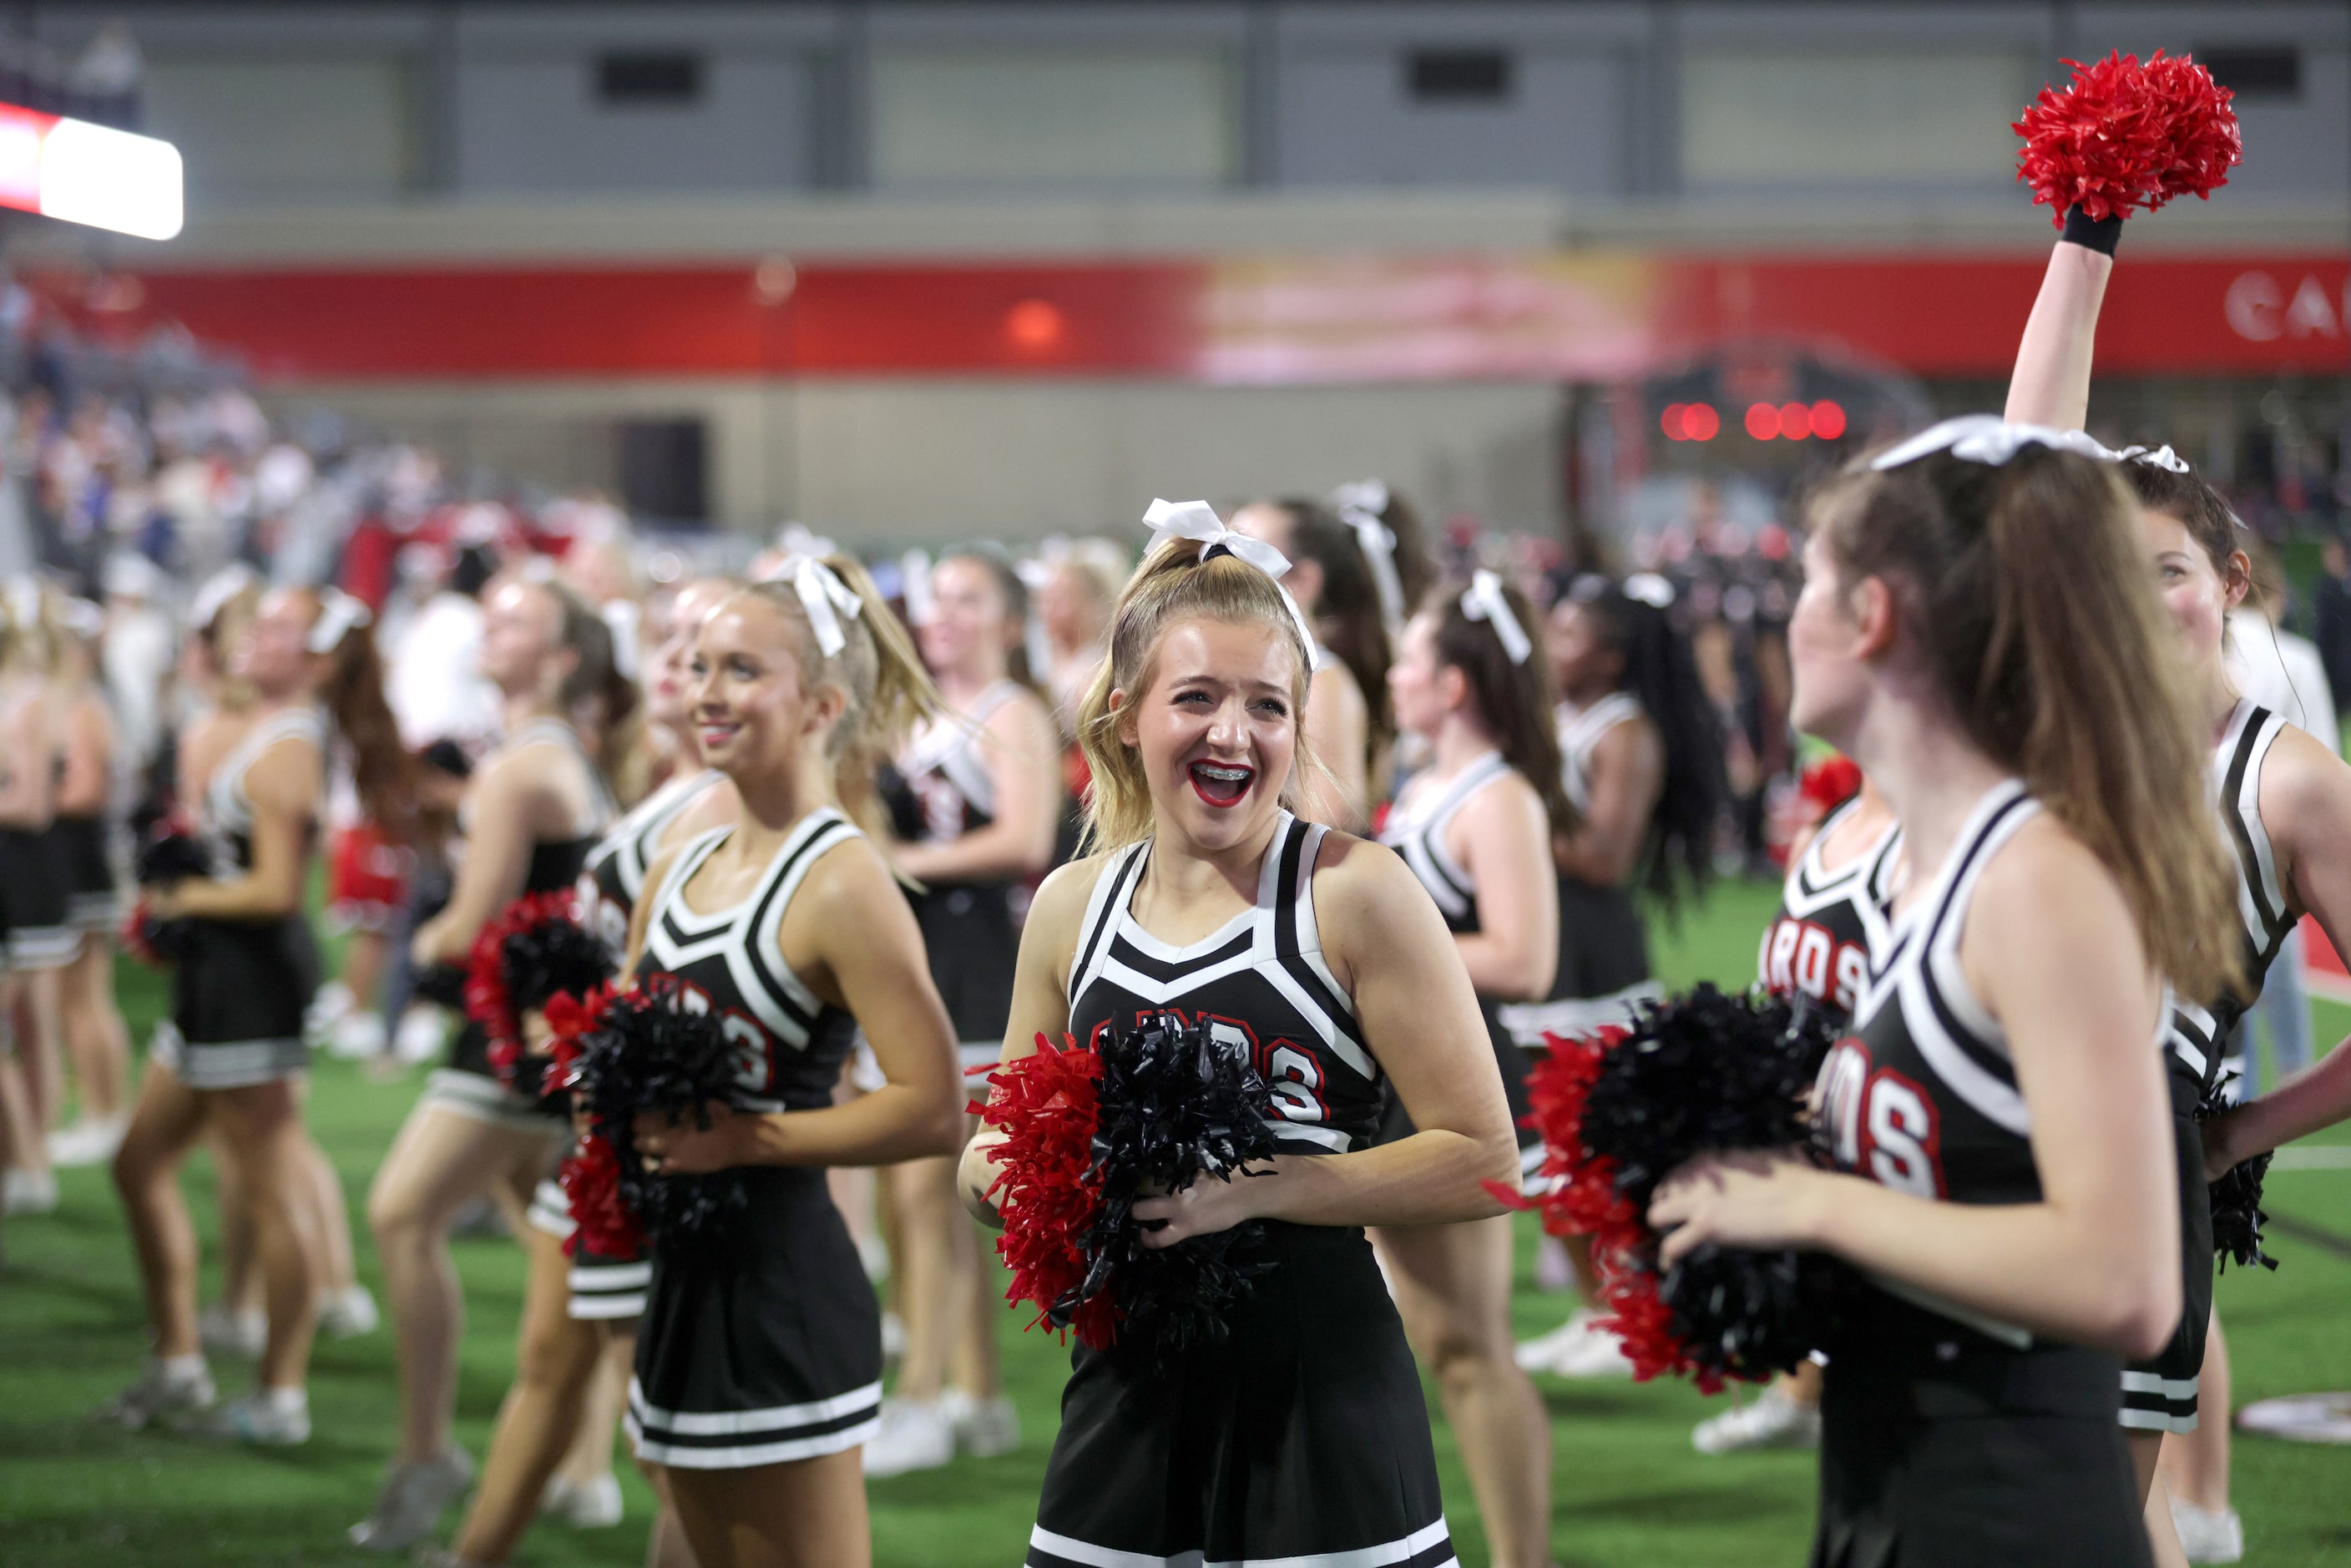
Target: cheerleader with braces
{"points": [[533, 810], [2004, 1178], [551, 1448], [232, 1053], [976, 802], [1303, 1431], [1476, 826], [759, 1371]]}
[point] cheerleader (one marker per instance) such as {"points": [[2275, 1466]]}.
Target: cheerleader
{"points": [[1348, 726], [232, 1053], [2004, 1178], [976, 801], [1641, 754], [33, 882], [1074, 604], [758, 1370], [533, 810], [1476, 827], [553, 1438], [94, 1030], [1302, 1432], [1831, 917]]}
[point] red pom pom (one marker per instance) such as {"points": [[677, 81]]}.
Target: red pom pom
{"points": [[1047, 1106], [486, 1002], [137, 934], [2125, 137], [1579, 1196], [604, 1223], [1829, 782]]}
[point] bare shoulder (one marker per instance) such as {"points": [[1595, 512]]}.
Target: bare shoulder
{"points": [[1358, 883], [2305, 793], [1510, 800], [1060, 907], [2044, 898]]}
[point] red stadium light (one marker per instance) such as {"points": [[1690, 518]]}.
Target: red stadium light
{"points": [[1795, 422], [1700, 422], [1035, 325], [1672, 422], [1828, 419], [1762, 421]]}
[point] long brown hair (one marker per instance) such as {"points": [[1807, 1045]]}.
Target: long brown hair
{"points": [[1351, 622], [884, 689], [1514, 700], [2196, 506], [596, 692], [382, 771], [1174, 584], [2026, 583]]}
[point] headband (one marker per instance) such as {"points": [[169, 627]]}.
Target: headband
{"points": [[340, 615], [825, 598], [1483, 600], [2154, 457], [1359, 506], [1198, 520], [1990, 440]]}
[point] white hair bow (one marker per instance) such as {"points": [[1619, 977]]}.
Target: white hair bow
{"points": [[1988, 439], [1198, 520], [826, 598], [2155, 457], [218, 590], [1484, 600], [338, 615], [1359, 506]]}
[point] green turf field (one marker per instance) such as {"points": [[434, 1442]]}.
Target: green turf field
{"points": [[1629, 1491]]}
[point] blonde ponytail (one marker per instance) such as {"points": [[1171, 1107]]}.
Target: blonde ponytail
{"points": [[1174, 584]]}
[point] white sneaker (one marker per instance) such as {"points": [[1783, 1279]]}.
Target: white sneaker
{"points": [[2208, 1534], [234, 1332], [1771, 1420], [409, 1504], [347, 1313], [592, 1504], [327, 1008], [28, 1192], [357, 1036], [162, 1391], [1577, 1348], [893, 1336], [914, 1434], [265, 1417], [89, 1142], [983, 1429], [421, 1034]]}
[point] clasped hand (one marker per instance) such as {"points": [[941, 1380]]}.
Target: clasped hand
{"points": [[1202, 1208], [681, 1146], [1745, 1200]]}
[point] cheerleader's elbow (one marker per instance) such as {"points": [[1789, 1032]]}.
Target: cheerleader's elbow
{"points": [[2144, 1318]]}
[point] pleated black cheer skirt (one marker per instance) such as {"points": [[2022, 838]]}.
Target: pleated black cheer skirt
{"points": [[93, 902], [1943, 1448], [973, 946], [601, 1288], [36, 890], [762, 1344], [238, 995], [1303, 1433], [2160, 1395]]}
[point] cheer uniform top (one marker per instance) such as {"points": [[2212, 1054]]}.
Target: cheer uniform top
{"points": [[606, 1287], [470, 1084], [241, 987], [2160, 1395], [762, 1340], [1949, 1438], [1416, 832], [1829, 922], [1303, 1434], [1603, 948], [939, 791]]}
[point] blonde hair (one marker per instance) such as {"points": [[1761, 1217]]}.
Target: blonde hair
{"points": [[2034, 608], [885, 691], [28, 643], [1174, 584]]}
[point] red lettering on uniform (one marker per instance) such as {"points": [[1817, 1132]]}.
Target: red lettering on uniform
{"points": [[1804, 956], [1903, 1135]]}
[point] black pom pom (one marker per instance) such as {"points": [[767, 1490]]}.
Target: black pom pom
{"points": [[555, 956], [1743, 1314], [441, 984], [168, 857], [2236, 1197], [1177, 1104], [648, 1055]]}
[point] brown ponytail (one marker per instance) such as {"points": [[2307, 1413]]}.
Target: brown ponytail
{"points": [[1515, 701], [2028, 589], [382, 772], [885, 690], [1174, 584], [596, 693]]}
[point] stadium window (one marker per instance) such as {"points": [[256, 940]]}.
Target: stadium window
{"points": [[2256, 71], [1459, 76], [638, 79]]}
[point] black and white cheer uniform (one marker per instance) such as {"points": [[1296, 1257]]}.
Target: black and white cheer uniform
{"points": [[1302, 1436], [93, 901], [1950, 1439], [239, 991], [1415, 830], [761, 1343], [2160, 1395], [609, 883], [939, 791], [1829, 922], [470, 1084], [36, 894], [1603, 948]]}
